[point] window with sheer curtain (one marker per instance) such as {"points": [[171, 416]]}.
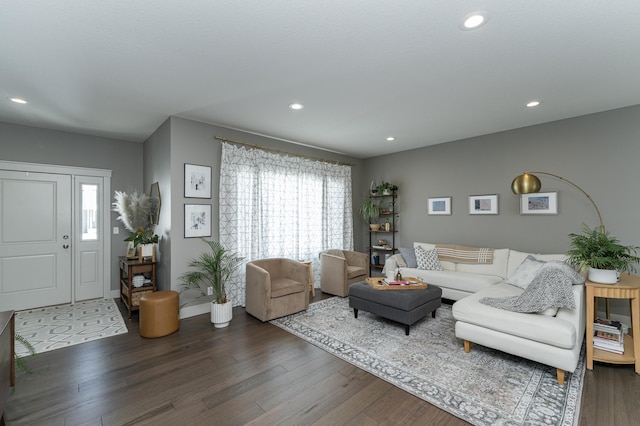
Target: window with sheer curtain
{"points": [[274, 205]]}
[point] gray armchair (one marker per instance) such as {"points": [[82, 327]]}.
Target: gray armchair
{"points": [[341, 268], [276, 287]]}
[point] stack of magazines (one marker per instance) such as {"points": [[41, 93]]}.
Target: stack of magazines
{"points": [[608, 335]]}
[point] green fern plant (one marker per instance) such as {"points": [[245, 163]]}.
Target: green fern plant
{"points": [[20, 362], [599, 250]]}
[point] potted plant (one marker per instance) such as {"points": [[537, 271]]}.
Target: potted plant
{"points": [[136, 211], [144, 241], [213, 269], [602, 255], [370, 211], [386, 188]]}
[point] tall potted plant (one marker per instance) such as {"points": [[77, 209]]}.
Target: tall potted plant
{"points": [[601, 255], [213, 268]]}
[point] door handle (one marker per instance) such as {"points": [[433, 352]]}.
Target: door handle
{"points": [[65, 246]]}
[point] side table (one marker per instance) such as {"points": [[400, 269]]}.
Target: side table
{"points": [[129, 268], [312, 285], [627, 288]]}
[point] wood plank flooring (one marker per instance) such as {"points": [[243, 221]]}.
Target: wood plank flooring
{"points": [[247, 373]]}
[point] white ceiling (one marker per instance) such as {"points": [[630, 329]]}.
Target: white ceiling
{"points": [[364, 69]]}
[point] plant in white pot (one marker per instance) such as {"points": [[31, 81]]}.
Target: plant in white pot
{"points": [[213, 268], [601, 255]]}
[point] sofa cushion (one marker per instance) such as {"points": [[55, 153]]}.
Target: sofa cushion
{"points": [[540, 328], [355, 271], [461, 281], [498, 267], [446, 265], [409, 256], [525, 273], [517, 257], [427, 259]]}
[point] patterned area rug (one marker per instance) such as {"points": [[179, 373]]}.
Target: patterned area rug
{"points": [[483, 387], [65, 325]]}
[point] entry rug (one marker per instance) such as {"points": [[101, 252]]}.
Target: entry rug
{"points": [[59, 326], [483, 387]]}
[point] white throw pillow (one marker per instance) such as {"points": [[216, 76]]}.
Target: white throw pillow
{"points": [[525, 272], [427, 259]]}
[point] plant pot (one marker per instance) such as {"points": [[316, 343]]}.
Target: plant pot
{"points": [[375, 226], [386, 192], [603, 276], [146, 251], [221, 314]]}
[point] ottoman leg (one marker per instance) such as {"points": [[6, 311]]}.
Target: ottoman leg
{"points": [[406, 329], [433, 314], [355, 313]]}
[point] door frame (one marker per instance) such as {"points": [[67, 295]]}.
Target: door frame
{"points": [[105, 200]]}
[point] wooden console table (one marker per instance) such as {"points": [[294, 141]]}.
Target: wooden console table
{"points": [[129, 268], [627, 288]]}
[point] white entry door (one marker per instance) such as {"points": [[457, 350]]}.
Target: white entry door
{"points": [[35, 239]]}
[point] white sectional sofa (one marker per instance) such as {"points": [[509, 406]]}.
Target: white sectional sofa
{"points": [[553, 337]]}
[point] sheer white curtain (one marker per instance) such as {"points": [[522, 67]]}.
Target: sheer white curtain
{"points": [[273, 205]]}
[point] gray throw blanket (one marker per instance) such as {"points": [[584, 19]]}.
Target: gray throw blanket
{"points": [[551, 288]]}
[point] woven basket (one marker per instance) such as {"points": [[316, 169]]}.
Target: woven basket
{"points": [[135, 297]]}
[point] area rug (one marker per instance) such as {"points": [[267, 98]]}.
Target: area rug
{"points": [[65, 325], [483, 387]]}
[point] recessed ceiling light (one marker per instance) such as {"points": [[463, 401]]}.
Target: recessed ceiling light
{"points": [[296, 106], [474, 20], [18, 100], [391, 139], [533, 104]]}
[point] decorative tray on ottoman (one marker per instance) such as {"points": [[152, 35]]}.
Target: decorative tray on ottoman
{"points": [[407, 283]]}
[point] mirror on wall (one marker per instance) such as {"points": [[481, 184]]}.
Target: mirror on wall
{"points": [[154, 193]]}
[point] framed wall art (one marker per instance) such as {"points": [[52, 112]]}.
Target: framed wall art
{"points": [[539, 203], [197, 220], [483, 204], [439, 206], [197, 181]]}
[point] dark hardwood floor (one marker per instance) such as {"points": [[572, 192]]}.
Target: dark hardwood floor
{"points": [[247, 373]]}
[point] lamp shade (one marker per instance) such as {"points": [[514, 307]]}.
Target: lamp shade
{"points": [[526, 183]]}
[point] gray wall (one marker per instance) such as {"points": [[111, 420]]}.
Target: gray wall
{"points": [[123, 158], [598, 152], [157, 168]]}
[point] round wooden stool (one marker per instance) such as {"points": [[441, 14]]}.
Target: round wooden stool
{"points": [[159, 313]]}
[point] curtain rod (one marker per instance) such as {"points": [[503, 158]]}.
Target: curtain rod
{"points": [[295, 154]]}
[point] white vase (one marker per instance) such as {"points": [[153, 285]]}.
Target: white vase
{"points": [[221, 314], [603, 276]]}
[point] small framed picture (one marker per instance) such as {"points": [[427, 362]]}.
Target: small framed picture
{"points": [[539, 203], [439, 206], [197, 181], [483, 204], [131, 250], [197, 220]]}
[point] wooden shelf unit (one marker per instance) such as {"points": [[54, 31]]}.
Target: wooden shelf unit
{"points": [[627, 288], [390, 215], [128, 269]]}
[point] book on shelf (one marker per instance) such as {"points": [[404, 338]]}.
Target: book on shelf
{"points": [[381, 247], [608, 345]]}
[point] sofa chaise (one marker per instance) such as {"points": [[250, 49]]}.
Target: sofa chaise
{"points": [[467, 275]]}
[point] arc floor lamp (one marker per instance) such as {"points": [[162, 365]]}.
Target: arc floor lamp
{"points": [[528, 183]]}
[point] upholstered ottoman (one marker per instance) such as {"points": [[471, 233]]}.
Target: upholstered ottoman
{"points": [[159, 313], [403, 306]]}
